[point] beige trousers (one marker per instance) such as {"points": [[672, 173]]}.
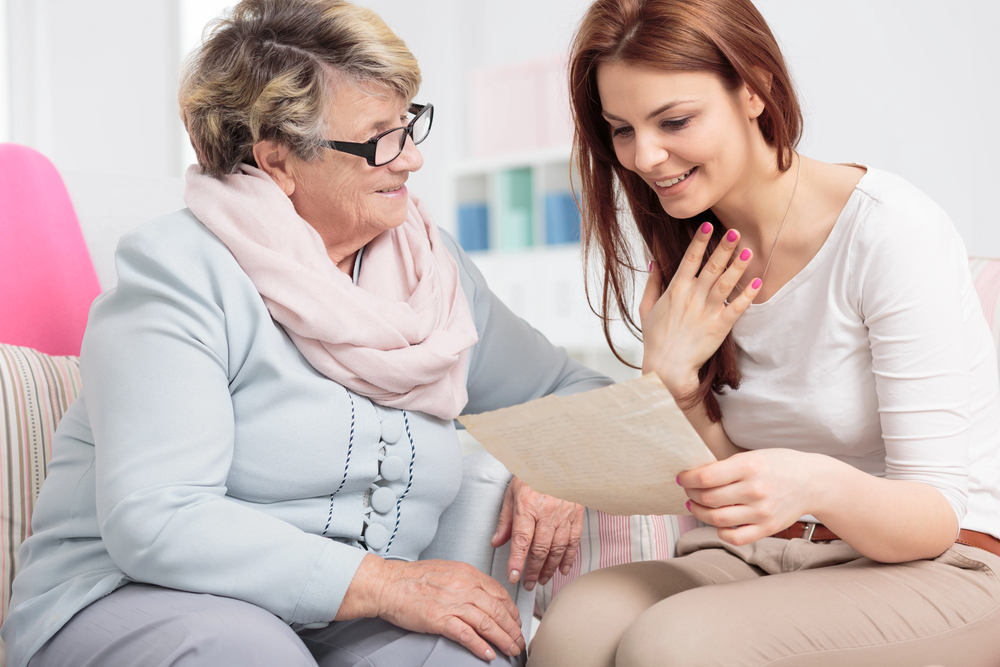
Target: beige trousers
{"points": [[777, 602]]}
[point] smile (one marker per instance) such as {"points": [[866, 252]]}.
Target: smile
{"points": [[395, 189], [674, 181]]}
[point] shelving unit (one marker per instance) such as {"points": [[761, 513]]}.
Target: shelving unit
{"points": [[542, 282], [514, 202], [515, 210]]}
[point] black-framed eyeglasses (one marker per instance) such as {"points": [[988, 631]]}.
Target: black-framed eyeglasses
{"points": [[386, 147]]}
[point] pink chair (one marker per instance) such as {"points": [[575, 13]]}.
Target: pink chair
{"points": [[47, 279]]}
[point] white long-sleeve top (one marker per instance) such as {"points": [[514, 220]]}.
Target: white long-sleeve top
{"points": [[878, 354]]}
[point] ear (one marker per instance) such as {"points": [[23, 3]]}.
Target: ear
{"points": [[275, 161], [755, 103]]}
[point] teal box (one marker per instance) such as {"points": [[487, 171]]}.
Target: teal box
{"points": [[515, 208]]}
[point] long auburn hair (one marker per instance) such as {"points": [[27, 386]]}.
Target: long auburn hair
{"points": [[728, 38]]}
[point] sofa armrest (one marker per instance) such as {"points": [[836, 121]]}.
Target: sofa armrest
{"points": [[467, 526]]}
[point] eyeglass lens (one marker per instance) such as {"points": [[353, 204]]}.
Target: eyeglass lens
{"points": [[390, 145]]}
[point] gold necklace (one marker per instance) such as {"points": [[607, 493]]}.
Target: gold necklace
{"points": [[767, 265]]}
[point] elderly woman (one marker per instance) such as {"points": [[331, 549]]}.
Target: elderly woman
{"points": [[265, 440]]}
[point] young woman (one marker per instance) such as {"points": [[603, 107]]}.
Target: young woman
{"points": [[819, 327]]}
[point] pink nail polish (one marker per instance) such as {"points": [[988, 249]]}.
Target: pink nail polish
{"points": [[732, 235], [688, 505], [706, 228], [755, 284], [650, 267], [745, 255], [678, 480]]}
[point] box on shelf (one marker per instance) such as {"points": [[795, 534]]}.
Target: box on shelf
{"points": [[515, 204], [562, 218], [474, 226], [472, 198]]}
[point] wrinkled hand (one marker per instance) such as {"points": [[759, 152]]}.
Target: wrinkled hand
{"points": [[685, 324], [448, 598], [542, 529], [753, 494]]}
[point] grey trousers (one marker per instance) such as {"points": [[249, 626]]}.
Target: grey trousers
{"points": [[148, 626], [778, 603]]}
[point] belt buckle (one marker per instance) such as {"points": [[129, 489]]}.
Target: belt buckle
{"points": [[807, 532]]}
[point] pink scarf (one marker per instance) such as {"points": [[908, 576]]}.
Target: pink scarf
{"points": [[400, 336]]}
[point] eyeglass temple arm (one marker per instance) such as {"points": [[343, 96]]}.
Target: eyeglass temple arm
{"points": [[361, 150]]}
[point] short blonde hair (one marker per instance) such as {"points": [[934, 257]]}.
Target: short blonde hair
{"points": [[264, 71]]}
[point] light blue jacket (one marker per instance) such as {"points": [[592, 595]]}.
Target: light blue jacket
{"points": [[224, 463]]}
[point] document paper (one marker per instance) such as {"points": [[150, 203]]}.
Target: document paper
{"points": [[618, 449]]}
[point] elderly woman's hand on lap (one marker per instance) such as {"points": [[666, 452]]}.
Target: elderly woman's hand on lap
{"points": [[439, 597]]}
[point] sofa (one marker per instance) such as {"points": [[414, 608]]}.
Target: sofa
{"points": [[36, 388]]}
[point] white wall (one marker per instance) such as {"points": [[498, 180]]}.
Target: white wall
{"points": [[4, 69], [93, 84], [906, 85]]}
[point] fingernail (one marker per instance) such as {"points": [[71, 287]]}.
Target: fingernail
{"points": [[755, 284], [688, 505], [494, 538], [732, 235], [520, 642], [515, 649], [565, 570], [678, 480], [543, 581], [649, 268], [530, 586], [514, 576], [490, 655], [706, 228], [745, 255]]}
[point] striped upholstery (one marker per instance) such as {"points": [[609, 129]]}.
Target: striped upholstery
{"points": [[35, 390], [613, 540]]}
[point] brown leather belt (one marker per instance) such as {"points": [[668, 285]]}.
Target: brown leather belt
{"points": [[817, 532], [811, 532], [974, 538]]}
